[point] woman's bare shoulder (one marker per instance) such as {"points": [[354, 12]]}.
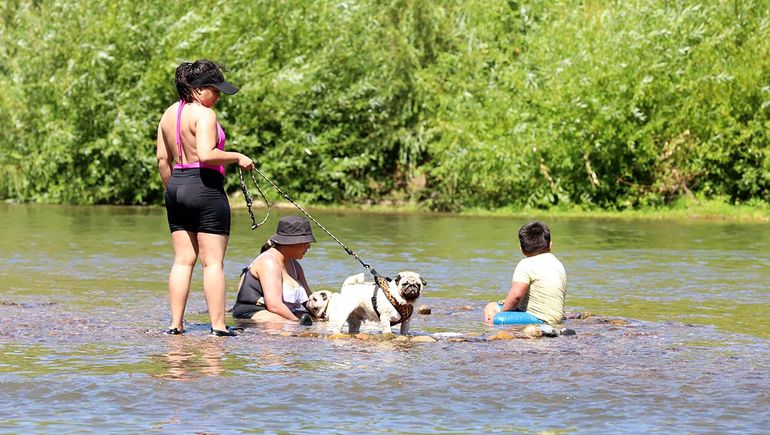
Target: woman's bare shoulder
{"points": [[169, 113], [168, 119], [266, 261], [202, 112]]}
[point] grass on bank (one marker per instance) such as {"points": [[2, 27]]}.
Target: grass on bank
{"points": [[684, 208]]}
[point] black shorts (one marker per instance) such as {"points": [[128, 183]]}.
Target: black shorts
{"points": [[245, 311], [196, 202]]}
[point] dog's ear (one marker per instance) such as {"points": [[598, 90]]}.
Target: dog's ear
{"points": [[324, 297], [398, 278], [424, 283]]}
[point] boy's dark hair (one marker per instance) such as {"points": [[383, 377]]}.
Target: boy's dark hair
{"points": [[535, 238]]}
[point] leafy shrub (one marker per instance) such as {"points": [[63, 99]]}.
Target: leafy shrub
{"points": [[449, 104]]}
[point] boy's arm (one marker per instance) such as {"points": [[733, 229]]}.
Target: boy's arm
{"points": [[517, 292]]}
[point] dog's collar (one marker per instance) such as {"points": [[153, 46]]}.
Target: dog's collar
{"points": [[404, 310]]}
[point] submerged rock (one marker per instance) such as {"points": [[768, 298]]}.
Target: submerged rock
{"points": [[424, 309], [26, 305], [533, 331], [462, 308], [618, 322], [548, 331], [423, 339], [567, 331], [448, 335], [339, 336], [502, 335]]}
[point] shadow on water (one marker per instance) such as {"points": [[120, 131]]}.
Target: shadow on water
{"points": [[680, 334]]}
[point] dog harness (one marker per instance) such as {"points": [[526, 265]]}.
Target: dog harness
{"points": [[404, 310]]}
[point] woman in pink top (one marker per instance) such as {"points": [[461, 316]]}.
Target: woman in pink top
{"points": [[191, 158]]}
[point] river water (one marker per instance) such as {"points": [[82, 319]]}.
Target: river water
{"points": [[679, 339]]}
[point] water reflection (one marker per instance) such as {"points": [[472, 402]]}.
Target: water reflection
{"points": [[188, 358]]}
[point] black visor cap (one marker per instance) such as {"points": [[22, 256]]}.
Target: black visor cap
{"points": [[215, 79]]}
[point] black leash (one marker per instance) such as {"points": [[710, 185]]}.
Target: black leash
{"points": [[254, 224], [381, 280]]}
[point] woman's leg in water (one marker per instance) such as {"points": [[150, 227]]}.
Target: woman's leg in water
{"points": [[212, 255], [185, 255]]}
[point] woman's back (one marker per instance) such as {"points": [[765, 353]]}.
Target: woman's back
{"points": [[197, 124]]}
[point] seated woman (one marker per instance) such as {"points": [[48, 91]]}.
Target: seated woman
{"points": [[273, 287]]}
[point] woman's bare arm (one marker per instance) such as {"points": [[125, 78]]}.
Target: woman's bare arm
{"points": [[270, 276]]}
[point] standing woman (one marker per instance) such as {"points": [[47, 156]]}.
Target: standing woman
{"points": [[191, 158]]}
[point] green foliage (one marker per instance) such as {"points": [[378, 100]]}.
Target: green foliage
{"points": [[451, 105]]}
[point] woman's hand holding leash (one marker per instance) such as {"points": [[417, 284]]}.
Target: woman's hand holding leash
{"points": [[245, 162]]}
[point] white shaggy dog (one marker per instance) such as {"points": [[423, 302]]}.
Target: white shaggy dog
{"points": [[359, 300]]}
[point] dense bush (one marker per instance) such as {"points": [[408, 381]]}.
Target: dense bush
{"points": [[449, 104]]}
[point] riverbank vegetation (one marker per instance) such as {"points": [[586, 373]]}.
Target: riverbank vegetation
{"points": [[690, 209], [454, 105]]}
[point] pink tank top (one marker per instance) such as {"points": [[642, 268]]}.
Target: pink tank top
{"points": [[220, 145]]}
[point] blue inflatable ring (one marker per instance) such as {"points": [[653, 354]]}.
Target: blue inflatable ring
{"points": [[516, 318]]}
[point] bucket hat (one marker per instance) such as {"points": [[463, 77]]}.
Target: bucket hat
{"points": [[293, 230]]}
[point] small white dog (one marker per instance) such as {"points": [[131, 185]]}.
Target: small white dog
{"points": [[359, 300], [318, 303]]}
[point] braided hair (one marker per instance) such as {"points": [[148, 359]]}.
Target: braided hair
{"points": [[187, 72]]}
